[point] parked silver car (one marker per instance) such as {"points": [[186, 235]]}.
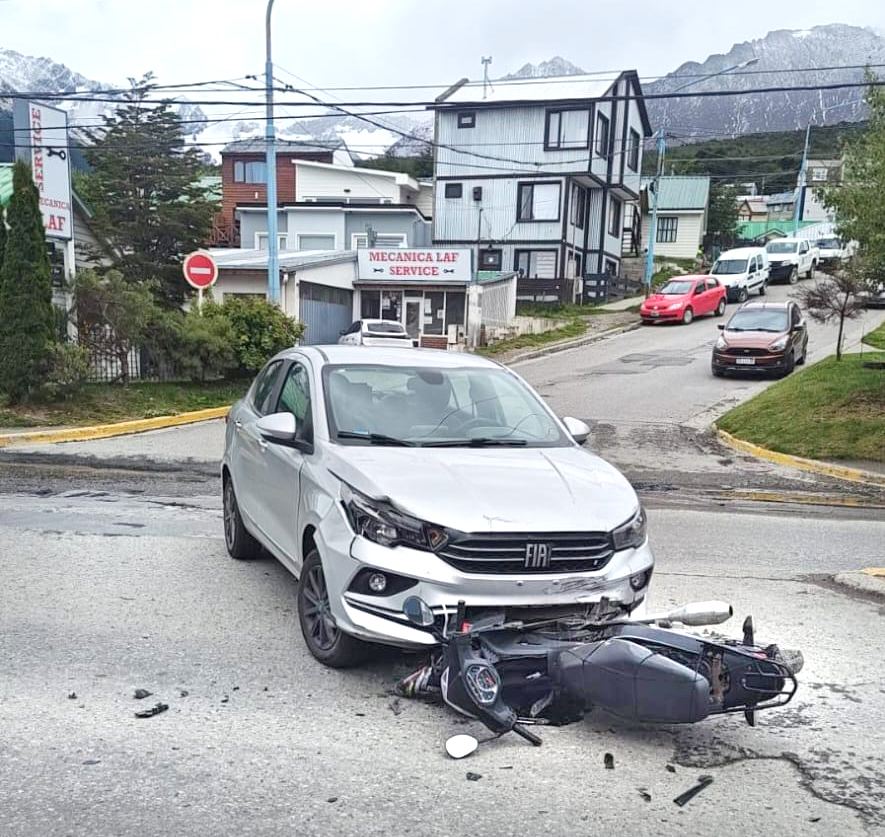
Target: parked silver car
{"points": [[375, 475], [376, 333]]}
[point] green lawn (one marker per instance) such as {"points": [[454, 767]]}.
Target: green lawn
{"points": [[573, 329], [832, 410], [876, 338], [559, 312], [104, 403]]}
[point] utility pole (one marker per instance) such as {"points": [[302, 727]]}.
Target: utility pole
{"points": [[273, 261], [479, 239], [485, 74], [800, 184], [653, 225]]}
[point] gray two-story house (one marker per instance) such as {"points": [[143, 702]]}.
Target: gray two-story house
{"points": [[534, 173]]}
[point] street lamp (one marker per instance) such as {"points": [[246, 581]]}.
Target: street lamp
{"points": [[273, 261], [661, 148]]}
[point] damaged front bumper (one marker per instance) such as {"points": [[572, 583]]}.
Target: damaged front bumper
{"points": [[377, 616]]}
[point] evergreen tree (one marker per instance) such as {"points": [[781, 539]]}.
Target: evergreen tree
{"points": [[144, 190], [2, 237], [26, 315]]}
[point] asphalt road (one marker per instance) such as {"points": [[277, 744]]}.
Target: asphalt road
{"points": [[115, 581]]}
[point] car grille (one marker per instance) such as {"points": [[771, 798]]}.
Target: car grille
{"points": [[749, 352], [517, 553]]}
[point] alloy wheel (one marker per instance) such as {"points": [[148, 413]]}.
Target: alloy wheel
{"points": [[317, 612], [230, 515]]}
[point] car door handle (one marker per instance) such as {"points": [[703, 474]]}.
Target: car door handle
{"points": [[238, 424], [263, 445]]}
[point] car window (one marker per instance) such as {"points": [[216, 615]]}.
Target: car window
{"points": [[729, 266], [804, 247], [264, 386], [355, 327], [295, 399], [712, 284]]}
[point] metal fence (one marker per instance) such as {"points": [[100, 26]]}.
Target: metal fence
{"points": [[497, 303]]}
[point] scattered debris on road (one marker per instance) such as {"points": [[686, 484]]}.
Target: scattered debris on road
{"points": [[644, 794], [332, 799], [156, 709], [609, 761], [671, 768], [474, 777], [395, 706], [92, 761], [141, 694], [72, 696], [691, 793], [183, 692]]}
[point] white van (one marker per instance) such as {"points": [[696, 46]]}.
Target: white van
{"points": [[741, 271]]}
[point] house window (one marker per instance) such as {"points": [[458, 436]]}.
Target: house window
{"points": [[614, 217], [389, 241], [667, 229], [467, 119], [261, 241], [250, 172], [370, 305], [536, 264], [611, 267], [601, 134], [490, 259], [819, 173], [578, 206], [454, 190], [537, 202], [316, 241], [567, 129], [633, 151]]}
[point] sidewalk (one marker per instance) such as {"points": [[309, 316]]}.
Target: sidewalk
{"points": [[622, 304]]}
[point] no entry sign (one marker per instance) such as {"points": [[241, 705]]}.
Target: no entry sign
{"points": [[200, 270]]}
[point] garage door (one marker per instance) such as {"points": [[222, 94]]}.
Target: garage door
{"points": [[325, 312]]}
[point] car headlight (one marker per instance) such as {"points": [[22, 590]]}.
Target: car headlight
{"points": [[640, 580], [631, 534], [482, 683], [721, 343], [379, 521], [675, 306], [780, 344]]}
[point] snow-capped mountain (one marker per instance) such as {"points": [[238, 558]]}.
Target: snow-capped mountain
{"points": [[781, 55], [556, 66]]}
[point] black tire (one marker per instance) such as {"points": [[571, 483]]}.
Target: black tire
{"points": [[791, 365], [801, 361], [762, 289], [240, 544], [810, 274], [717, 372], [687, 316], [720, 308], [743, 295], [325, 641], [793, 278]]}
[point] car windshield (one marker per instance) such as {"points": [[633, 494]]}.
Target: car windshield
{"points": [[675, 288], [760, 319], [384, 328], [414, 405], [829, 243], [730, 266], [781, 246]]}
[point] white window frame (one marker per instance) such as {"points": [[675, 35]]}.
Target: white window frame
{"points": [[332, 235], [356, 238], [282, 241]]}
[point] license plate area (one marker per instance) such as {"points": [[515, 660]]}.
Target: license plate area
{"points": [[656, 313], [745, 361]]}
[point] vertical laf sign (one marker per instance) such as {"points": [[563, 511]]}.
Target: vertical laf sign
{"points": [[41, 140], [200, 272]]}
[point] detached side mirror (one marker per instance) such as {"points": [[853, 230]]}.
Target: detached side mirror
{"points": [[279, 428], [577, 429]]}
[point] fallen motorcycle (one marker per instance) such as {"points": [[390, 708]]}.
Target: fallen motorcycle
{"points": [[515, 675]]}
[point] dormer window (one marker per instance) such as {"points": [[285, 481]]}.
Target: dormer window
{"points": [[567, 129]]}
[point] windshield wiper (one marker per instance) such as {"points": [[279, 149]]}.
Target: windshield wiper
{"points": [[375, 438], [479, 442]]}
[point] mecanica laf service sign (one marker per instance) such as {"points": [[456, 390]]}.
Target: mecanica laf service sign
{"points": [[429, 264], [41, 140]]}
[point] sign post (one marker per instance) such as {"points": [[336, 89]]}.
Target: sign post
{"points": [[200, 272]]}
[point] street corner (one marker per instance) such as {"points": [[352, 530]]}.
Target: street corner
{"points": [[870, 580]]}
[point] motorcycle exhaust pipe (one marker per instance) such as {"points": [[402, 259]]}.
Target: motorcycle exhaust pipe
{"points": [[692, 615]]}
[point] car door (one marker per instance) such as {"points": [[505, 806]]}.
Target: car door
{"points": [[798, 332], [248, 464], [753, 277], [282, 464], [714, 292], [804, 256]]}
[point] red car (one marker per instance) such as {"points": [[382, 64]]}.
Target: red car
{"points": [[683, 298]]}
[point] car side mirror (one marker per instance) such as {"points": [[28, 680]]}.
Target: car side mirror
{"points": [[577, 429], [279, 428]]}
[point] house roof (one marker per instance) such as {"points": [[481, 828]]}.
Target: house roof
{"points": [[259, 146], [781, 197], [550, 90], [688, 193], [753, 230], [401, 178], [289, 259]]}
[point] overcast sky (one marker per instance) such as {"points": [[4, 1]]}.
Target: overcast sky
{"points": [[350, 42]]}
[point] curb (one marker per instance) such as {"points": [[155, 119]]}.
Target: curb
{"points": [[870, 580], [841, 472], [531, 354], [105, 431]]}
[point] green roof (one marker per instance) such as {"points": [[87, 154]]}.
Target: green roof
{"points": [[675, 192], [5, 183], [753, 230]]}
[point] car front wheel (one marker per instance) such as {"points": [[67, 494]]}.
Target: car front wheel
{"points": [[240, 544], [789, 366], [794, 275], [324, 639], [743, 295], [720, 308], [687, 316]]}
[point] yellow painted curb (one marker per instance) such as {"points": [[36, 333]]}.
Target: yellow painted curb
{"points": [[841, 472], [104, 431], [879, 572], [801, 499]]}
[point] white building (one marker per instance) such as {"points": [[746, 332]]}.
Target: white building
{"points": [[534, 173], [683, 203]]}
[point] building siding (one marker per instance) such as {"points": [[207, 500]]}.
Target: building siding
{"points": [[352, 184], [689, 235]]}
